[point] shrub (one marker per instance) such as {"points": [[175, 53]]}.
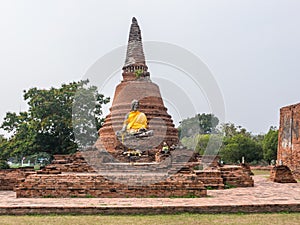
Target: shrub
{"points": [[3, 164]]}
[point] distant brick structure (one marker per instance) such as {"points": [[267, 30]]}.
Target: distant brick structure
{"points": [[288, 138]]}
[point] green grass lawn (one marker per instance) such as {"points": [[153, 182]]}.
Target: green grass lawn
{"points": [[261, 172], [238, 219]]}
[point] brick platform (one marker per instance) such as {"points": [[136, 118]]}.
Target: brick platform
{"points": [[96, 185], [165, 179], [265, 196]]}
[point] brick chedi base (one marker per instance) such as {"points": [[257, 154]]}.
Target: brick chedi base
{"points": [[133, 180], [95, 185], [282, 174]]}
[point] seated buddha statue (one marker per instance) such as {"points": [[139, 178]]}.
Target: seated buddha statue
{"points": [[135, 121]]}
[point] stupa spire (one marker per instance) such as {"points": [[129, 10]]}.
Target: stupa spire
{"points": [[135, 53]]}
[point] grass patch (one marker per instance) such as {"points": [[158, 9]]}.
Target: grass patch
{"points": [[228, 186], [90, 196], [37, 167], [190, 195], [204, 219], [48, 196], [261, 172], [14, 166]]}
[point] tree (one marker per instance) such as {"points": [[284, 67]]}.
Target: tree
{"points": [[202, 142], [3, 156], [47, 126], [238, 146], [199, 124], [87, 115], [230, 130], [209, 144], [269, 145]]}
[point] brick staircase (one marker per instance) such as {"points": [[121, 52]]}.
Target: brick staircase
{"points": [[236, 176], [211, 179]]}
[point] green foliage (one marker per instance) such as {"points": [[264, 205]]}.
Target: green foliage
{"points": [[209, 144], [230, 130], [190, 142], [4, 152], [198, 167], [229, 186], [3, 164], [260, 162], [37, 167], [138, 73], [269, 145], [236, 141], [14, 166], [203, 143], [87, 115], [203, 140], [199, 124], [47, 126], [40, 158], [238, 146]]}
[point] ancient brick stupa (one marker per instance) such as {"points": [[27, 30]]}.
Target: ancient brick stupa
{"points": [[136, 84], [104, 171]]}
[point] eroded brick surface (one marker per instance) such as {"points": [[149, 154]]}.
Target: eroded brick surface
{"points": [[289, 139], [282, 174]]}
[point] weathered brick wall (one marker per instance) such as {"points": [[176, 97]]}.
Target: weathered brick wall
{"points": [[282, 174], [211, 179], [87, 185], [289, 139], [70, 163], [9, 178], [185, 182], [151, 104], [236, 176]]}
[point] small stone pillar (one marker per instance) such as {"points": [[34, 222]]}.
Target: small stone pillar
{"points": [[282, 174]]}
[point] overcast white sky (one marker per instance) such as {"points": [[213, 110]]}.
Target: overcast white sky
{"points": [[252, 47]]}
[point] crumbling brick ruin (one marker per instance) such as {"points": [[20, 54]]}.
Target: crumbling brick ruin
{"points": [[288, 139], [102, 170]]}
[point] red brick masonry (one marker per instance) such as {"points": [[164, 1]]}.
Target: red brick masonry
{"points": [[95, 185], [289, 139], [265, 196]]}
